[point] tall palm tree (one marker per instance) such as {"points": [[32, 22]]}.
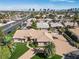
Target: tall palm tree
{"points": [[1, 37], [50, 49], [34, 25], [3, 41], [75, 17]]}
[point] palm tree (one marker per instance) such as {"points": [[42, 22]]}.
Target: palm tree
{"points": [[1, 37], [3, 41], [33, 9], [50, 49], [75, 17], [34, 25], [52, 16]]}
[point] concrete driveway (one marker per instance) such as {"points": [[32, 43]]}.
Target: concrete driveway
{"points": [[62, 46]]}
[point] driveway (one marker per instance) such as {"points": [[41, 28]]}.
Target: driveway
{"points": [[62, 46]]}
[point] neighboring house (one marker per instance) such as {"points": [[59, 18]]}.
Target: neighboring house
{"points": [[60, 15], [29, 22], [70, 24], [38, 36], [72, 55], [31, 19], [42, 25], [28, 25], [56, 25], [48, 20]]}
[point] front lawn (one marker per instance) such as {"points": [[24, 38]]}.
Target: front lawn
{"points": [[56, 57], [20, 49], [41, 56], [4, 52]]}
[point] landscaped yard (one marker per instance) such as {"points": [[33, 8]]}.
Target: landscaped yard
{"points": [[4, 52], [41, 56], [20, 49]]}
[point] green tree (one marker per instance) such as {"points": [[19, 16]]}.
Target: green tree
{"points": [[4, 45], [2, 37], [75, 17], [34, 26], [50, 49]]}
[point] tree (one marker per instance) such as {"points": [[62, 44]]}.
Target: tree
{"points": [[3, 46], [50, 49], [75, 17], [3, 41], [34, 26], [2, 37], [52, 16]]}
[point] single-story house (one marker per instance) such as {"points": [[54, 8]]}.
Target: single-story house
{"points": [[39, 36], [31, 19], [56, 25], [70, 24], [47, 19], [28, 24], [42, 25], [60, 15]]}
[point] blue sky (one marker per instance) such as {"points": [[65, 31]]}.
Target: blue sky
{"points": [[37, 4]]}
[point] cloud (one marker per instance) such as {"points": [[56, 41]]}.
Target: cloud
{"points": [[71, 1]]}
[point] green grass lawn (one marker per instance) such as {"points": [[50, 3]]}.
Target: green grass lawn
{"points": [[41, 56], [56, 57], [21, 48], [4, 52]]}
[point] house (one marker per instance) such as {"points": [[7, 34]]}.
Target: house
{"points": [[56, 25], [29, 22], [38, 36], [70, 24], [60, 15], [48, 20], [42, 25], [31, 19]]}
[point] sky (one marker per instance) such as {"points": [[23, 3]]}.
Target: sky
{"points": [[37, 4]]}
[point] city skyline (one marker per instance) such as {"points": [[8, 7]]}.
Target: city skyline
{"points": [[38, 4]]}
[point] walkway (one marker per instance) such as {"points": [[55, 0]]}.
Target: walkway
{"points": [[28, 55], [62, 46]]}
